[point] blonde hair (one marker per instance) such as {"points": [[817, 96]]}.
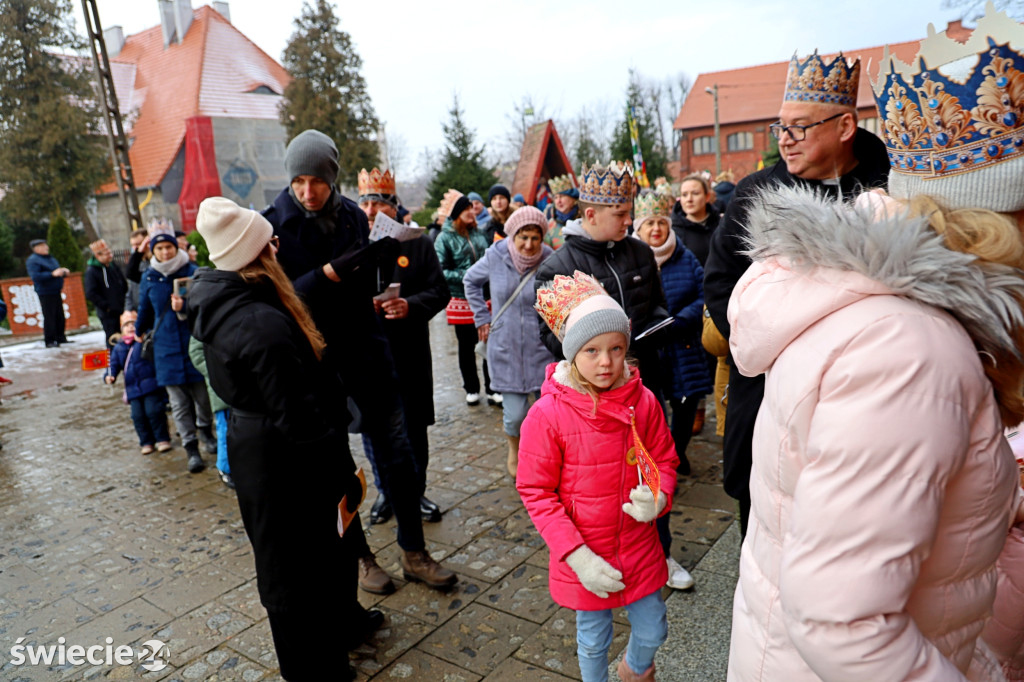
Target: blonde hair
{"points": [[584, 386], [266, 268], [992, 238]]}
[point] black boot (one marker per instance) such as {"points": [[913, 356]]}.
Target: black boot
{"points": [[429, 511], [208, 440], [195, 460], [381, 510]]}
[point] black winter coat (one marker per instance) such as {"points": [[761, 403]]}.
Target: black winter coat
{"points": [[695, 236], [424, 287], [726, 264], [287, 445], [105, 286], [628, 272]]}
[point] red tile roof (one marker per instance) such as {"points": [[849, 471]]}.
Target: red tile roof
{"points": [[210, 73], [755, 93]]}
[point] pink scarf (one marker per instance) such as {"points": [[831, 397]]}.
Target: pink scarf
{"points": [[522, 263]]}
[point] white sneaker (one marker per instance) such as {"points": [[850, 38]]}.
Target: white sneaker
{"points": [[678, 577], [472, 398], [494, 399]]}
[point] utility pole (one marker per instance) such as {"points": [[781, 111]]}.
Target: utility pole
{"points": [[112, 115], [713, 91]]}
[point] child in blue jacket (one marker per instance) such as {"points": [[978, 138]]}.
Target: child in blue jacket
{"points": [[147, 399]]}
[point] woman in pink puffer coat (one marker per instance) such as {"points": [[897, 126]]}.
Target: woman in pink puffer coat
{"points": [[882, 489]]}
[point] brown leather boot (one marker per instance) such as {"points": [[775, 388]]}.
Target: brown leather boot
{"points": [[421, 567], [698, 420], [372, 577], [626, 673]]}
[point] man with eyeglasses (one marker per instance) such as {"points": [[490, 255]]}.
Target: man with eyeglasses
{"points": [[105, 287], [821, 147]]}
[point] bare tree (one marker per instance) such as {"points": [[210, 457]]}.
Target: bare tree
{"points": [[974, 9]]}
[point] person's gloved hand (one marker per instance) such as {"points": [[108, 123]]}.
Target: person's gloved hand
{"points": [[643, 508], [595, 574], [361, 264]]}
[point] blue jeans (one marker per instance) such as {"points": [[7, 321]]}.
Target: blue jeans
{"points": [[149, 417], [221, 418], [648, 631], [514, 407]]}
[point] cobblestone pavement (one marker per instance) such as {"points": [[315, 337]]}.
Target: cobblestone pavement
{"points": [[102, 546]]}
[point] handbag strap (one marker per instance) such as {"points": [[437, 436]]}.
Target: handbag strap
{"points": [[514, 296]]}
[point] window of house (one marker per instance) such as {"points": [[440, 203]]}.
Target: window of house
{"points": [[738, 142], [869, 124], [703, 145]]}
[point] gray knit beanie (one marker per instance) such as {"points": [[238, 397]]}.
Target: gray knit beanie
{"points": [[312, 153], [593, 317]]}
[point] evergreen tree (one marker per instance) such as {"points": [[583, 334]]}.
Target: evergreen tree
{"points": [[771, 156], [647, 121], [63, 246], [462, 164], [586, 149], [327, 92], [52, 154], [8, 267]]}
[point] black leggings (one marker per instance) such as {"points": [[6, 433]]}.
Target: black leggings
{"points": [[466, 335]]}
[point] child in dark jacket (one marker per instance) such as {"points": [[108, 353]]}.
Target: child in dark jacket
{"points": [[147, 399]]}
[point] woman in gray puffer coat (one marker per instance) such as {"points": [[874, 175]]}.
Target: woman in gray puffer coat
{"points": [[515, 354]]}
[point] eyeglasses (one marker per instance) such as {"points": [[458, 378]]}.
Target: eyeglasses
{"points": [[798, 133], [275, 241]]}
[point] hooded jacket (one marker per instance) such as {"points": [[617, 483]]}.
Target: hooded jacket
{"points": [[287, 419], [105, 286], [456, 253], [882, 488], [695, 236], [575, 473], [515, 356]]}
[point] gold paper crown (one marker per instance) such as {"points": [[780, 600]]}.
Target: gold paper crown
{"points": [[611, 185], [650, 204], [561, 183], [376, 182], [560, 298], [814, 81], [448, 202]]}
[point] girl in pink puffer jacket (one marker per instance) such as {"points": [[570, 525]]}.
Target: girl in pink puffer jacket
{"points": [[579, 479]]}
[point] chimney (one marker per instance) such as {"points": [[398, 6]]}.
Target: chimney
{"points": [[182, 17], [113, 37], [167, 20], [222, 9]]}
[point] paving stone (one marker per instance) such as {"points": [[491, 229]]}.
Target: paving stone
{"points": [[458, 526], [193, 589], [43, 625], [479, 639], [524, 593], [513, 669], [434, 606], [488, 559], [724, 557], [240, 562], [127, 623], [708, 496], [416, 665], [257, 644], [398, 634], [445, 498], [517, 529], [694, 524], [499, 501], [121, 587], [554, 645], [470, 479], [245, 599], [221, 664], [540, 558], [201, 630]]}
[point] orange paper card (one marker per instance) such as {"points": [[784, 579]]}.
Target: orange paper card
{"points": [[344, 515], [648, 467]]}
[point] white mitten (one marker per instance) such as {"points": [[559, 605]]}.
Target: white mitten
{"points": [[595, 574], [643, 507]]}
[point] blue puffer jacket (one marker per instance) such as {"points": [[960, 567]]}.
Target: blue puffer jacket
{"points": [[40, 269], [170, 345], [516, 356], [139, 374], [683, 355]]}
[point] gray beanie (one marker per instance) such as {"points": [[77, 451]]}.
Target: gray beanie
{"points": [[312, 153], [595, 316]]}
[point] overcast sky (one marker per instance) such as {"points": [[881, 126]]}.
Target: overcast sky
{"points": [[564, 54]]}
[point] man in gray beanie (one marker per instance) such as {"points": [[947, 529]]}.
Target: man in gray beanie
{"points": [[325, 250]]}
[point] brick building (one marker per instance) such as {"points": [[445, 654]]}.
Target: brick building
{"points": [[749, 101]]}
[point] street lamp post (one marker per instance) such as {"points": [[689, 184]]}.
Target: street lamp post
{"points": [[713, 91]]}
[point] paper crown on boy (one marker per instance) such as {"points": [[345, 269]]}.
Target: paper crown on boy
{"points": [[953, 119], [812, 80], [577, 309], [374, 185], [607, 185]]}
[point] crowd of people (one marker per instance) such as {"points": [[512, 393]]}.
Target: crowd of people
{"points": [[862, 301]]}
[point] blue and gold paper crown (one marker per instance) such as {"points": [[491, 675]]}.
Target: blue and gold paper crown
{"points": [[960, 112], [814, 81], [609, 185]]}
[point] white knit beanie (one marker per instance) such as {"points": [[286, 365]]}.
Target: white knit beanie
{"points": [[234, 235]]}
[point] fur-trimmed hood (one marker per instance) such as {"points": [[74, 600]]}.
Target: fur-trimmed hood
{"points": [[846, 255]]}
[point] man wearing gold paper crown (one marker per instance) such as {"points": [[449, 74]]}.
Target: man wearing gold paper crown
{"points": [[821, 148], [423, 294], [325, 251]]}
